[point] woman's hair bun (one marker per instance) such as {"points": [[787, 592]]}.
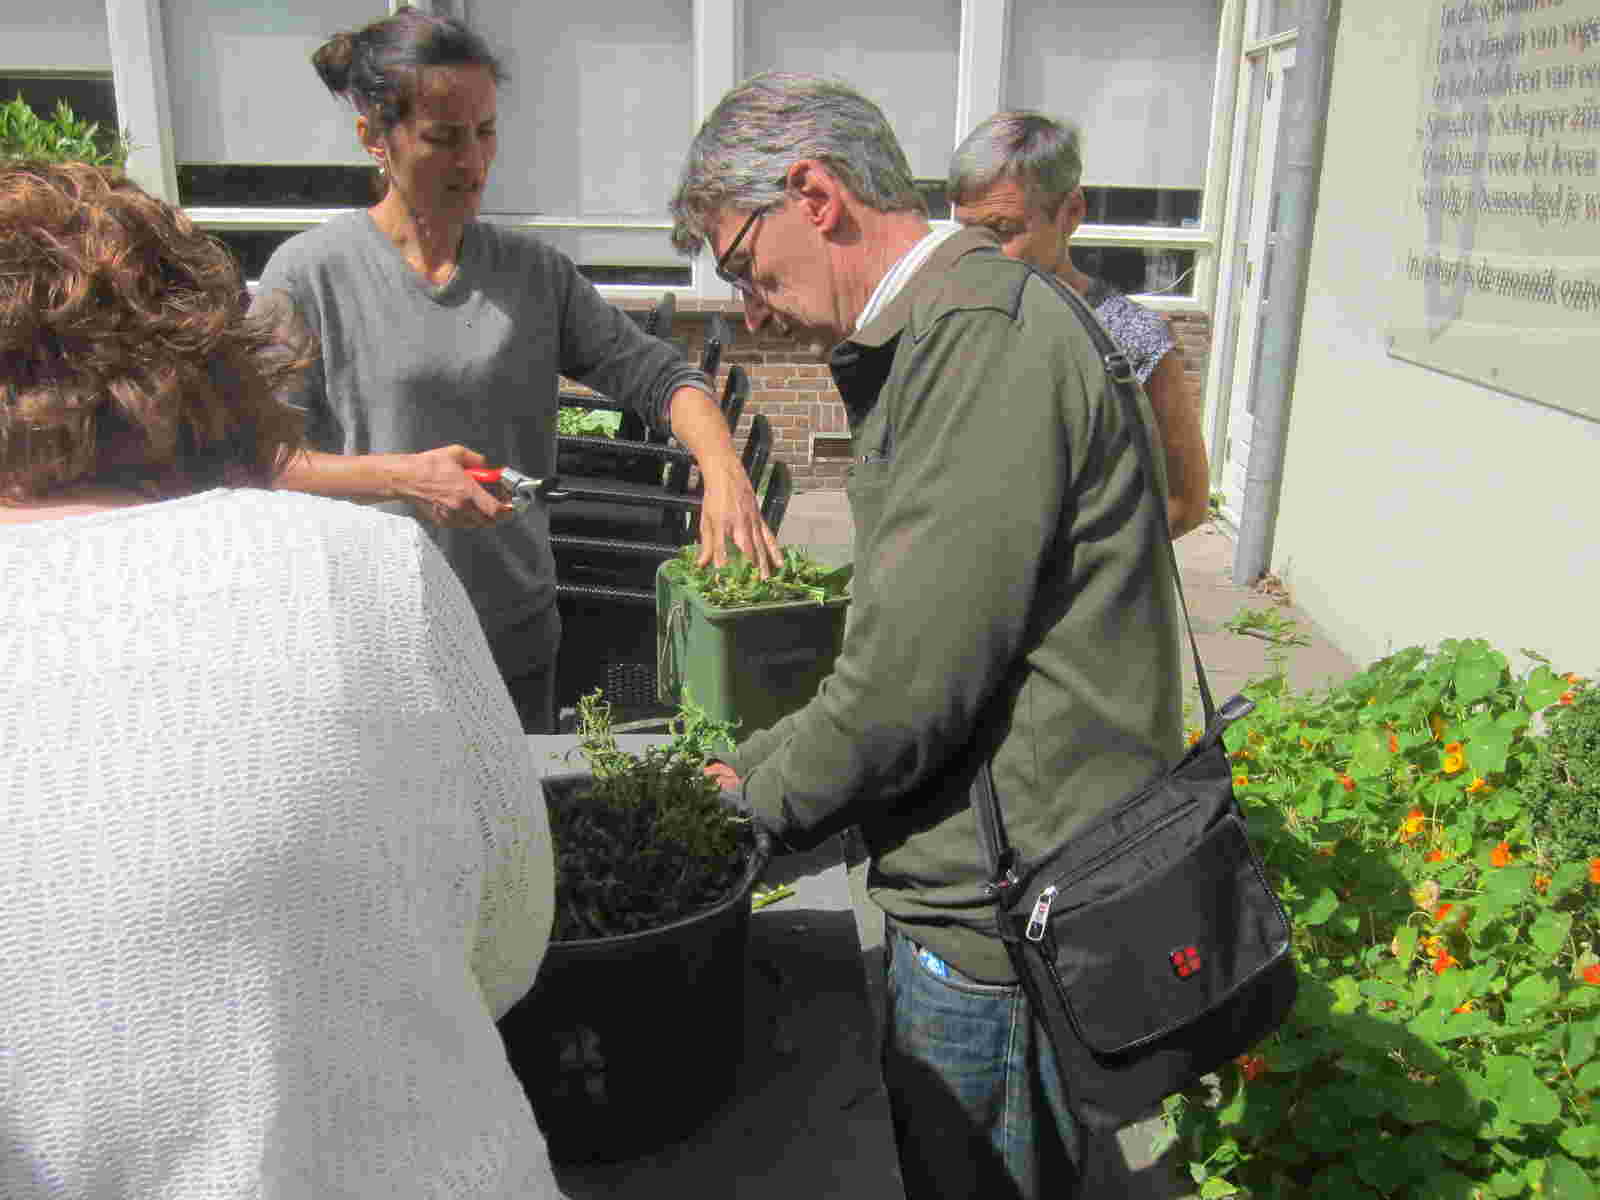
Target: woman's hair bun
{"points": [[332, 61]]}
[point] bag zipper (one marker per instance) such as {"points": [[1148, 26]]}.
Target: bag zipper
{"points": [[1041, 914], [1105, 856]]}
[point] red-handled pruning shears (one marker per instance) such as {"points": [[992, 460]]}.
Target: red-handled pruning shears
{"points": [[521, 490]]}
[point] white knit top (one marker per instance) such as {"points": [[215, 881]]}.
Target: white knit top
{"points": [[272, 860]]}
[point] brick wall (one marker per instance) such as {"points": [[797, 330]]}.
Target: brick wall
{"points": [[789, 382]]}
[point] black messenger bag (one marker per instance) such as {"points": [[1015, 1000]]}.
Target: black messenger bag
{"points": [[1150, 945]]}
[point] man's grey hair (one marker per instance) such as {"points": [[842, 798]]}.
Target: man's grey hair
{"points": [[1043, 154], [739, 158]]}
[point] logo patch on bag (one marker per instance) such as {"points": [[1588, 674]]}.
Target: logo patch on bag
{"points": [[1185, 962]]}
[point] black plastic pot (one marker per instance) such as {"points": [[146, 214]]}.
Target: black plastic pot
{"points": [[627, 1044]]}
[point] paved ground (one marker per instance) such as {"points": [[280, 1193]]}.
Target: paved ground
{"points": [[821, 519]]}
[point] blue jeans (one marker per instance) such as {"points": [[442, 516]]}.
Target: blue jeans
{"points": [[973, 1087]]}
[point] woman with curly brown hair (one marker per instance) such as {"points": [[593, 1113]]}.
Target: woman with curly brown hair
{"points": [[272, 854]]}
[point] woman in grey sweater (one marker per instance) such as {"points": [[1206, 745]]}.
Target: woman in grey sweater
{"points": [[442, 338]]}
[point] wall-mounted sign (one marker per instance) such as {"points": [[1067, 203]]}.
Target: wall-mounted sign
{"points": [[1498, 278]]}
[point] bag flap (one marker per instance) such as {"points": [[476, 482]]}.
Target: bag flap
{"points": [[1165, 951]]}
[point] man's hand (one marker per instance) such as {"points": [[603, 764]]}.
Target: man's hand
{"points": [[729, 510], [438, 486], [723, 775]]}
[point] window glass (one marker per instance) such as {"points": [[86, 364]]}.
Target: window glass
{"points": [[61, 35], [90, 97], [599, 108], [1134, 269], [254, 186], [1142, 206], [900, 53], [242, 86], [1277, 16], [1136, 77]]}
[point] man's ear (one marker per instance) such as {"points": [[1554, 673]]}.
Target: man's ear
{"points": [[818, 193], [1072, 212]]}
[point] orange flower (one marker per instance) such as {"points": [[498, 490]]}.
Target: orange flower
{"points": [[1501, 855], [1433, 946], [1435, 856], [1541, 884], [1567, 698], [1453, 748], [1443, 911], [1253, 1066], [1444, 962], [1194, 736], [1412, 824], [1591, 974], [1594, 870], [1573, 677], [1241, 781], [1239, 755], [1394, 744], [1453, 763], [1347, 783], [1464, 1007], [1478, 784], [1305, 744]]}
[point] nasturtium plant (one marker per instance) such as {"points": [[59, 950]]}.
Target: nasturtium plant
{"points": [[1446, 1039], [738, 584]]}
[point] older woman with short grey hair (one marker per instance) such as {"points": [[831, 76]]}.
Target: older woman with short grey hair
{"points": [[1018, 174]]}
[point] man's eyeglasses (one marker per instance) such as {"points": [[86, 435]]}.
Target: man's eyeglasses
{"points": [[740, 280]]}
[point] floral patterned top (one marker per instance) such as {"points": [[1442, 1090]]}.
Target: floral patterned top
{"points": [[1143, 335]]}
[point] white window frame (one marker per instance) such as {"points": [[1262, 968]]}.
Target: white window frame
{"points": [[139, 73]]}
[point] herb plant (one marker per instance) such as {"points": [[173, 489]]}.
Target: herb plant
{"points": [[649, 842], [588, 422], [1445, 1044], [739, 583]]}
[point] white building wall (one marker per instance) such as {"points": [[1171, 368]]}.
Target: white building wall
{"points": [[1417, 506]]}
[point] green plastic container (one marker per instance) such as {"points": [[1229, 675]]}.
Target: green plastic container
{"points": [[749, 665]]}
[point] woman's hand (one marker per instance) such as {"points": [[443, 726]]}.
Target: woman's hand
{"points": [[438, 486], [729, 510]]}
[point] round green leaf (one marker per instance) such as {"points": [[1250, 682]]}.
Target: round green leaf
{"points": [[1477, 674], [1566, 1180], [1584, 1141], [1519, 1093], [1581, 1039], [1447, 1185], [1544, 688], [1216, 1186], [1549, 932], [1322, 906]]}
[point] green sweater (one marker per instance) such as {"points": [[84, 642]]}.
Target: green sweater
{"points": [[1010, 574]]}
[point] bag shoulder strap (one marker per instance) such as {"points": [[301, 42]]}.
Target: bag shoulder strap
{"points": [[1119, 370]]}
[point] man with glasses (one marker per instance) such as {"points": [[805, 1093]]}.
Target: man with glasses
{"points": [[1012, 599]]}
